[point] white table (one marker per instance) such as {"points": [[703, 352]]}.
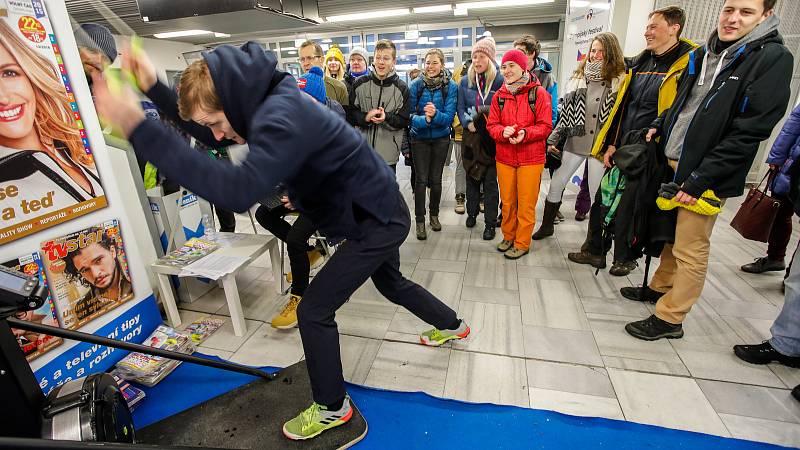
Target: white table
{"points": [[250, 246]]}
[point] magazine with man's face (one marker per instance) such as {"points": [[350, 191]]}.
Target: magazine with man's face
{"points": [[88, 273], [47, 169]]}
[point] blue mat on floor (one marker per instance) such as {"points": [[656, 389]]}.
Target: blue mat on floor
{"points": [[415, 420]]}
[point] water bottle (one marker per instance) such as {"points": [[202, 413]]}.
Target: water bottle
{"points": [[210, 233]]}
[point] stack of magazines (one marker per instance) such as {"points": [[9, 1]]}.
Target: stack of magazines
{"points": [[190, 251], [201, 329], [149, 370], [132, 395]]}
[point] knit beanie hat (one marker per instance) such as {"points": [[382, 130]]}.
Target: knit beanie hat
{"points": [[97, 37], [517, 57], [335, 53], [313, 83], [360, 51], [485, 46]]}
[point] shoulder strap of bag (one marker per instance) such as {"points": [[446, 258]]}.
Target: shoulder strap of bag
{"points": [[531, 100]]}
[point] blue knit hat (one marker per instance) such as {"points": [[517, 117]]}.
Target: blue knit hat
{"points": [[313, 83], [97, 37]]}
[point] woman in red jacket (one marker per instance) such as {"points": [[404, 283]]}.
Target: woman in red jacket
{"points": [[520, 122]]}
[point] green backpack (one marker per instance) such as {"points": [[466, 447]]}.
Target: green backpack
{"points": [[611, 187]]}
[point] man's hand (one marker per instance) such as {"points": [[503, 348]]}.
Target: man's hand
{"points": [[136, 62], [286, 203], [380, 116], [609, 154], [650, 134], [471, 127], [686, 199], [518, 138], [121, 109], [509, 131], [552, 149], [371, 114]]}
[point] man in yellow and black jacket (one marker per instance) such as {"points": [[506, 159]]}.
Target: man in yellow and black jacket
{"points": [[649, 88]]}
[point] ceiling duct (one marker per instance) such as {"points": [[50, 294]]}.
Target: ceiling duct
{"points": [[229, 16], [547, 31]]}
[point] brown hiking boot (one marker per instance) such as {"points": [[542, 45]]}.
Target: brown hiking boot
{"points": [[596, 261]]}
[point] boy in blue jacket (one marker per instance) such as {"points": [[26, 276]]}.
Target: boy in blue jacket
{"points": [[331, 174]]}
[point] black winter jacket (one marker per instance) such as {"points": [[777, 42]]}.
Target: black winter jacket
{"points": [[748, 98]]}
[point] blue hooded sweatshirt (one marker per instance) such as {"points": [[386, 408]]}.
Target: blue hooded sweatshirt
{"points": [[330, 171]]}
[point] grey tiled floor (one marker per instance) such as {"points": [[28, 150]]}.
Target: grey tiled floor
{"points": [[548, 334]]}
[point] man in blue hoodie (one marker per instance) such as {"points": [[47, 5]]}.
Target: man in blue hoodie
{"points": [[331, 174]]}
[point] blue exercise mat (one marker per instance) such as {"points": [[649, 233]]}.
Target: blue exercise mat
{"points": [[399, 420]]}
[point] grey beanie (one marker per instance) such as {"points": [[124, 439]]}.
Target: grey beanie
{"points": [[97, 37], [360, 51]]}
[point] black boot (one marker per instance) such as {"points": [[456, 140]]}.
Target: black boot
{"points": [[764, 353], [488, 233], [546, 229], [653, 328]]}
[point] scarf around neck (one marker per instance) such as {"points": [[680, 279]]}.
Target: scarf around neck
{"points": [[359, 74], [593, 71], [435, 82], [515, 86]]}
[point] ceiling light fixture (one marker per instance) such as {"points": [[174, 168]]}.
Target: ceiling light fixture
{"points": [[600, 5], [462, 36], [184, 33], [501, 4], [369, 15], [579, 3], [460, 11], [432, 9]]}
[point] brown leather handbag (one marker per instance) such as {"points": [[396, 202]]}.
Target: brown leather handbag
{"points": [[757, 213]]}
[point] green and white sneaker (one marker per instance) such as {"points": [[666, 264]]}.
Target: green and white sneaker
{"points": [[316, 419], [435, 338]]}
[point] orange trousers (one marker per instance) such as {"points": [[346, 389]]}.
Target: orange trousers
{"points": [[519, 191]]}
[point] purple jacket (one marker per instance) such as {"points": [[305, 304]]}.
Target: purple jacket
{"points": [[785, 151]]}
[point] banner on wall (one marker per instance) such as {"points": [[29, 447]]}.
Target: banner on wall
{"points": [[582, 25], [47, 169]]}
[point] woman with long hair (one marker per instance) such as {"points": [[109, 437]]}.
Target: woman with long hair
{"points": [[335, 66], [433, 105], [475, 93], [585, 107], [40, 141]]}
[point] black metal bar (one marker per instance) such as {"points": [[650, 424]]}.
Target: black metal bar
{"points": [[28, 443], [644, 282], [101, 340]]}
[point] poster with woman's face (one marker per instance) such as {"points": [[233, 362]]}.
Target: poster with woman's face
{"points": [[47, 170]]}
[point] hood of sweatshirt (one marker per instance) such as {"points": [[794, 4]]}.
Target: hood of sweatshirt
{"points": [[761, 31], [243, 77]]}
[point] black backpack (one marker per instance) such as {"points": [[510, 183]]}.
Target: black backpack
{"points": [[531, 100]]}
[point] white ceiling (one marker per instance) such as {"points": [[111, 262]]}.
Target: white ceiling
{"points": [[122, 17]]}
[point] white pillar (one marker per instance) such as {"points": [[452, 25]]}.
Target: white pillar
{"points": [[628, 22]]}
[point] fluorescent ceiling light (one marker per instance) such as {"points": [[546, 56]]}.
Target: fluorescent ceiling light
{"points": [[600, 5], [460, 11], [292, 52], [369, 15], [422, 40], [174, 34], [501, 4], [288, 48], [462, 36], [579, 3], [437, 38], [327, 41], [432, 9]]}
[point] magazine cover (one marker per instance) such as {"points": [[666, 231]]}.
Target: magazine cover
{"points": [[88, 273], [35, 344], [47, 170]]}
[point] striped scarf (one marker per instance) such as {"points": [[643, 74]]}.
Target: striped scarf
{"points": [[515, 86], [572, 108]]}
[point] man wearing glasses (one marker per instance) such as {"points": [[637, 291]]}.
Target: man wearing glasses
{"points": [[311, 55]]}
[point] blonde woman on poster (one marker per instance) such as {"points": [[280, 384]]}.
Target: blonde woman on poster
{"points": [[43, 164]]}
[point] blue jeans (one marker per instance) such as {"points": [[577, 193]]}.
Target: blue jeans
{"points": [[786, 329]]}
